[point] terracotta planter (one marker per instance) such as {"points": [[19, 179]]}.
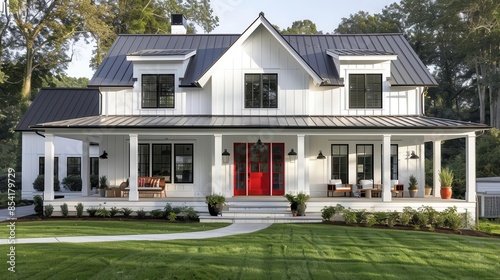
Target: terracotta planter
{"points": [[445, 192]]}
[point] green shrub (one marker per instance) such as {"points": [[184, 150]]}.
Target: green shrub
{"points": [[126, 211], [141, 214], [380, 218], [94, 182], [172, 216], [361, 216], [427, 217], [79, 210], [73, 182], [329, 212], [370, 220], [349, 216], [92, 211], [38, 203], [157, 213], [168, 208], [64, 210], [452, 220], [188, 214], [103, 212], [49, 209], [392, 218], [406, 217], [113, 211], [39, 184]]}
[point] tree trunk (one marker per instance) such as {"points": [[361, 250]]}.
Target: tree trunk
{"points": [[26, 89], [481, 92]]}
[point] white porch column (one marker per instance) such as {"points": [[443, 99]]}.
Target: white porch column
{"points": [[134, 168], [301, 165], [85, 167], [217, 166], [48, 193], [386, 168], [470, 169], [436, 167]]}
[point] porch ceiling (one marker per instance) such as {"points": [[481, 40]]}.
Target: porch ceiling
{"points": [[260, 122]]}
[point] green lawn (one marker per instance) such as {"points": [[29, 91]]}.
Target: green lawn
{"points": [[283, 251], [59, 228], [490, 226]]}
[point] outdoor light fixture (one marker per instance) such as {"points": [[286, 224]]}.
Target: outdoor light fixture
{"points": [[413, 155], [225, 156], [259, 147], [320, 155], [104, 155], [293, 155]]}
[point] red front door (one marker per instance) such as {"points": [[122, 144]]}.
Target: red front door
{"points": [[259, 170]]}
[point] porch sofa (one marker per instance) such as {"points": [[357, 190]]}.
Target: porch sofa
{"points": [[336, 186], [150, 186]]}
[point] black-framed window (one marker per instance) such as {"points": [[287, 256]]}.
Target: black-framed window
{"points": [[74, 166], [143, 160], [158, 91], [365, 91], [41, 166], [162, 161], [340, 162], [261, 90], [183, 160], [94, 166], [394, 162], [364, 161]]}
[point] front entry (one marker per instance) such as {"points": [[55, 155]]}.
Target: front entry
{"points": [[258, 167]]}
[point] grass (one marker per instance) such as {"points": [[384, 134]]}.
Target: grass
{"points": [[492, 226], [283, 251], [52, 228]]}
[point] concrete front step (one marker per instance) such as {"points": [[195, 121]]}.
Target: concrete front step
{"points": [[261, 218]]}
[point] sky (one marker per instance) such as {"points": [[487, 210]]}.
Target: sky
{"points": [[236, 15]]}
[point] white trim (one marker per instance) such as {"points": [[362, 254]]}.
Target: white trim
{"points": [[160, 57], [134, 173], [48, 193]]}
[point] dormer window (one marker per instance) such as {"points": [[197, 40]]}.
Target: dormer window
{"points": [[365, 91], [261, 90], [158, 91]]}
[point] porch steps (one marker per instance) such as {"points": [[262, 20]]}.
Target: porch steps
{"points": [[259, 213]]}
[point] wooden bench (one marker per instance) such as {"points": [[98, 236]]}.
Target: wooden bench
{"points": [[147, 185], [336, 186]]}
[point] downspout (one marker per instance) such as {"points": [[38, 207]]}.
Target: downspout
{"points": [[38, 133]]}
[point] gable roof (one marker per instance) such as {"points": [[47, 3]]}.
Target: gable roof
{"points": [[56, 104], [309, 50]]}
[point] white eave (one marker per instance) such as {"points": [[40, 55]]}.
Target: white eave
{"points": [[160, 57], [261, 20], [361, 57]]}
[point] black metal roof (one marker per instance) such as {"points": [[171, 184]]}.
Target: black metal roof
{"points": [[408, 69], [285, 122], [55, 104]]}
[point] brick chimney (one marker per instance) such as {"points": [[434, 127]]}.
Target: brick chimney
{"points": [[178, 24]]}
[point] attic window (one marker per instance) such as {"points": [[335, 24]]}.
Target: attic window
{"points": [[365, 91], [158, 91], [261, 90]]}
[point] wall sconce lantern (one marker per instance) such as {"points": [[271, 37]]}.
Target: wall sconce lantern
{"points": [[259, 147], [104, 155], [225, 156], [292, 155], [413, 155], [320, 155]]}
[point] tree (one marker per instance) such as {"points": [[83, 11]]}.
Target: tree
{"points": [[150, 17], [301, 27], [364, 23], [44, 30]]}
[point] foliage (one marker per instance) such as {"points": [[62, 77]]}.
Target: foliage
{"points": [[126, 211], [446, 177], [215, 200], [350, 216], [64, 210], [413, 183], [38, 203], [301, 27], [302, 198], [168, 208], [73, 182], [172, 216], [103, 212], [380, 218], [452, 219], [188, 214], [39, 184], [92, 211], [406, 217], [392, 218], [94, 182], [157, 213], [103, 182], [49, 209], [113, 211], [141, 214], [328, 212], [79, 210]]}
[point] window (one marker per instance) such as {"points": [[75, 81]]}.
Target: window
{"points": [[340, 163], [364, 162], [143, 160], [162, 161], [41, 166], [74, 166], [158, 91], [261, 90], [94, 166], [365, 91], [183, 163], [394, 162]]}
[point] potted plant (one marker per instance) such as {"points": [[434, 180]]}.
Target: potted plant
{"points": [[413, 189], [103, 185], [293, 202], [446, 179], [428, 190], [215, 203], [301, 199]]}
